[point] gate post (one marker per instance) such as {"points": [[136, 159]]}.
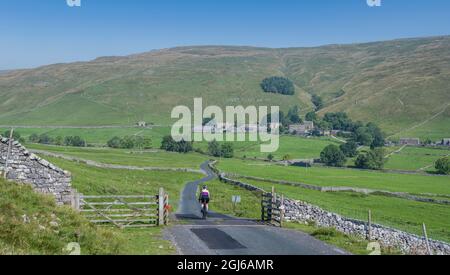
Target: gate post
{"points": [[273, 204], [161, 207], [75, 196], [166, 209], [282, 209]]}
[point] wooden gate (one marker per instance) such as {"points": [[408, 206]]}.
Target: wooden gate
{"points": [[125, 210], [272, 208]]}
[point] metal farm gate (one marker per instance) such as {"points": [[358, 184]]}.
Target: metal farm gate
{"points": [[272, 208], [124, 211]]}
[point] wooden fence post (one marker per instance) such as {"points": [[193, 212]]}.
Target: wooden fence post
{"points": [[369, 231], [263, 216], [424, 227], [166, 209], [161, 207], [272, 204], [282, 211]]}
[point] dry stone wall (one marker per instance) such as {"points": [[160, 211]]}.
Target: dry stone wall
{"points": [[297, 211], [27, 168]]}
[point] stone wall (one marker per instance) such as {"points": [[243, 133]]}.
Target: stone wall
{"points": [[297, 211], [27, 168]]}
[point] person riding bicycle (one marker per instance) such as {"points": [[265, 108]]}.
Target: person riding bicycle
{"points": [[204, 197]]}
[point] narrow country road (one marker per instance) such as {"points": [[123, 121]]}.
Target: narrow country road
{"points": [[224, 235]]}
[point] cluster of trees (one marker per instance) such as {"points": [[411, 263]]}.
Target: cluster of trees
{"points": [[74, 141], [170, 145], [278, 85], [292, 117], [443, 166], [336, 156], [372, 159], [16, 136], [130, 142], [365, 134], [225, 150], [318, 102]]}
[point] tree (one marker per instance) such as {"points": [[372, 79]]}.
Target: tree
{"points": [[443, 166], [114, 142], [311, 116], [170, 145], [377, 135], [349, 149], [74, 141], [279, 85], [427, 141], [317, 101], [33, 138], [227, 150], [270, 157], [373, 159], [15, 136], [339, 121], [294, 116], [364, 136], [59, 140], [184, 146], [333, 156], [214, 149], [45, 139]]}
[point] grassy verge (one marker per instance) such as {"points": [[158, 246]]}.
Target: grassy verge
{"points": [[221, 195], [31, 223], [146, 241]]}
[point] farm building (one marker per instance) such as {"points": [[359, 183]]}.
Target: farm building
{"points": [[302, 129], [142, 124], [410, 141], [446, 142], [337, 132]]}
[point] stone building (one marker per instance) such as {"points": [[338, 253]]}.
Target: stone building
{"points": [[27, 168], [410, 141], [302, 129], [445, 142]]}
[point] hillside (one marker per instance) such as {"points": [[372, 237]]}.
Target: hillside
{"points": [[401, 84], [33, 224]]}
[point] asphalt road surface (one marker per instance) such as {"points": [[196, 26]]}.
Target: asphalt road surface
{"points": [[224, 235]]}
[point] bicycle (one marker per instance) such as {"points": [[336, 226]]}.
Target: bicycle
{"points": [[205, 211]]}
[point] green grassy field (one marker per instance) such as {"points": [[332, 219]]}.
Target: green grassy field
{"points": [[294, 146], [221, 200], [96, 136], [416, 158], [98, 181], [150, 158], [398, 213], [409, 159], [323, 176]]}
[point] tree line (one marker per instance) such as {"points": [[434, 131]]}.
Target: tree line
{"points": [[215, 149], [130, 142]]}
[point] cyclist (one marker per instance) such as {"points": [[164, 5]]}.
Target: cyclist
{"points": [[204, 198]]}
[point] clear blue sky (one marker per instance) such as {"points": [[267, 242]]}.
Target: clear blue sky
{"points": [[38, 32]]}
